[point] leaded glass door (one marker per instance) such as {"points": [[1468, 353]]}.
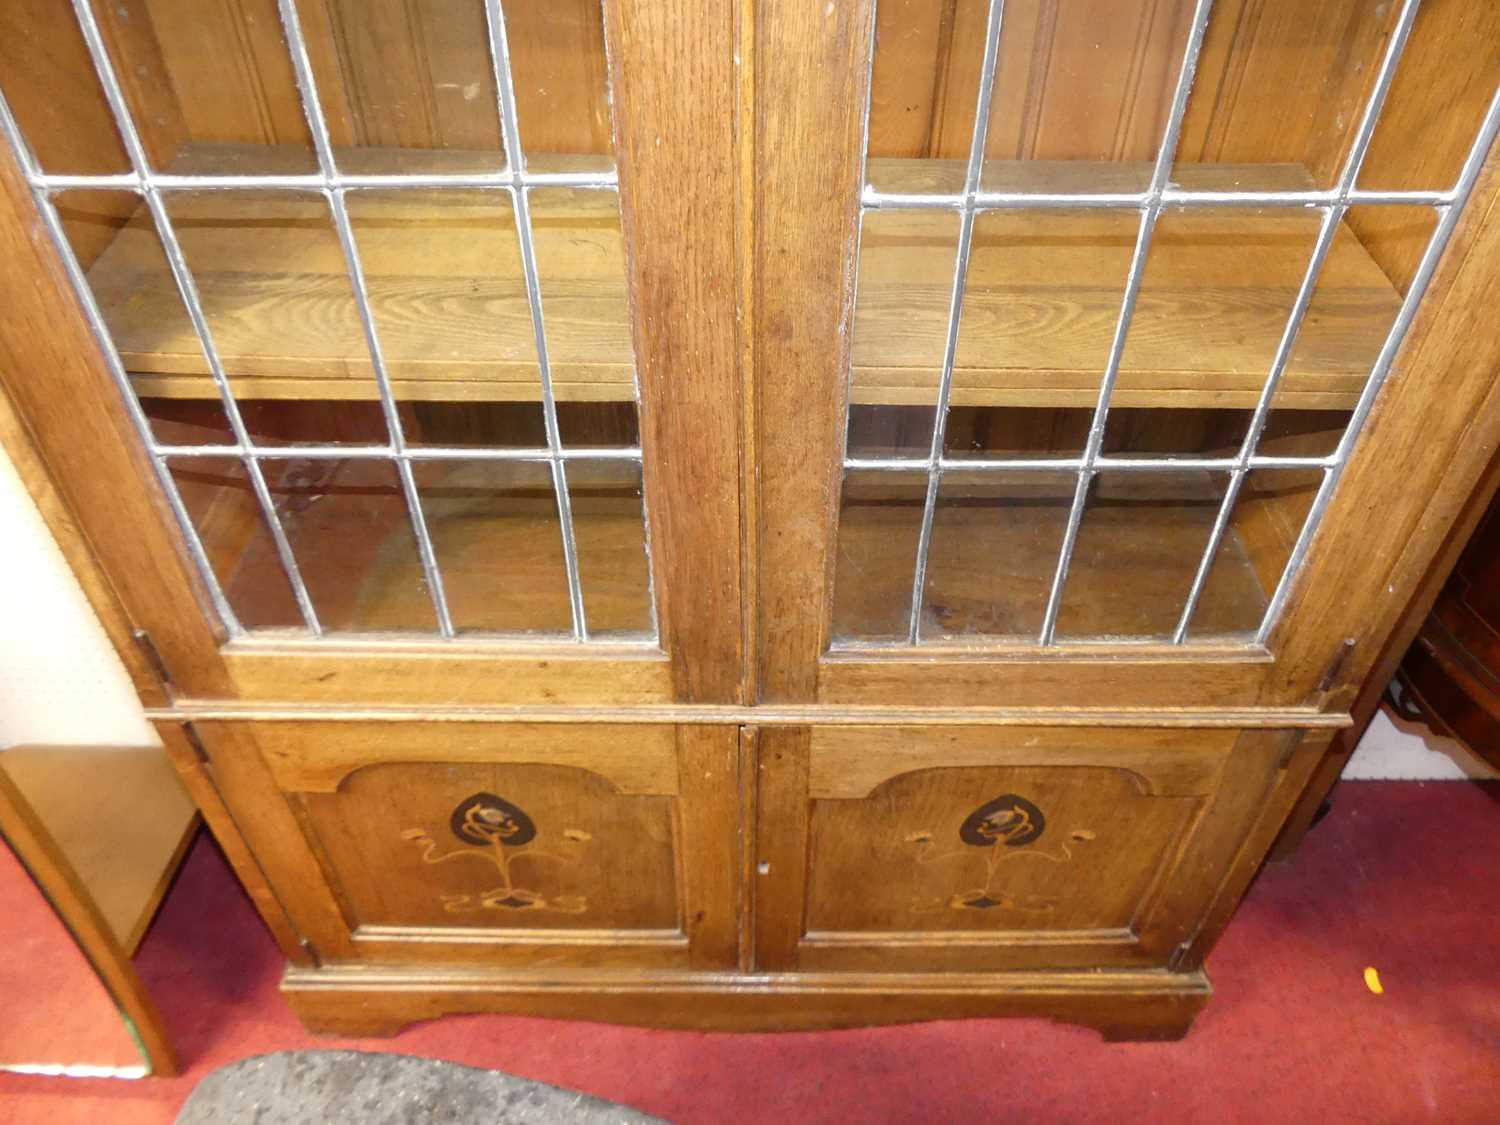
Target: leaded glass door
{"points": [[1108, 295], [378, 287]]}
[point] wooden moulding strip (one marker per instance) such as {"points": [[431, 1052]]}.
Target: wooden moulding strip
{"points": [[398, 977], [380, 1000], [782, 715]]}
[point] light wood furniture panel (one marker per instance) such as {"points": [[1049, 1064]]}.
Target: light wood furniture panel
{"points": [[813, 515], [106, 886], [126, 874]]}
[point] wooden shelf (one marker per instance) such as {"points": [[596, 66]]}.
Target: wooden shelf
{"points": [[444, 276], [349, 531], [995, 546], [118, 815], [1044, 291], [1044, 288]]}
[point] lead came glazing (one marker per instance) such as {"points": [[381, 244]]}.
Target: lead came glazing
{"points": [[459, 367], [1027, 346]]}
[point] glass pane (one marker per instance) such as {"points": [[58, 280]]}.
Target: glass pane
{"points": [[1016, 433], [1138, 548], [580, 261], [902, 305], [495, 531], [1199, 432], [112, 236], [1301, 433], [443, 274], [1056, 121], [1041, 306], [273, 422], [1279, 93], [1354, 304], [231, 526], [53, 90], [1448, 73], [236, 109], [350, 531], [879, 523], [408, 90], [271, 277], [1004, 433], [562, 85], [919, 139], [995, 539], [1214, 299], [512, 425], [610, 533], [187, 421], [1082, 94], [1267, 518], [405, 87], [596, 425]]}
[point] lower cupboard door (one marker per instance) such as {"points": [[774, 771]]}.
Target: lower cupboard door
{"points": [[502, 844], [893, 849]]}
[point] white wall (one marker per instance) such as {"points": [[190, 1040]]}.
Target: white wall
{"points": [[61, 682], [1394, 749]]}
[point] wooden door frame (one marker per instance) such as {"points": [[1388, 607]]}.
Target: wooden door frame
{"points": [[1421, 453], [1368, 699], [54, 374], [674, 77]]}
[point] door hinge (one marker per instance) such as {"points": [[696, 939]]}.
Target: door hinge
{"points": [[152, 654], [1289, 749], [1336, 665], [310, 949], [196, 745]]}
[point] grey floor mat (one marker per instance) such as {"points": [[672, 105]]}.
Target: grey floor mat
{"points": [[369, 1088]]}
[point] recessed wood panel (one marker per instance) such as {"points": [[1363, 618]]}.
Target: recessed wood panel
{"points": [[974, 849], [1036, 848], [504, 844], [497, 847]]}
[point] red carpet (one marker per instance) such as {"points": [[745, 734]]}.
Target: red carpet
{"points": [[40, 960], [1402, 877]]}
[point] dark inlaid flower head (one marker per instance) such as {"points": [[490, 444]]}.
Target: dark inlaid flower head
{"points": [[1011, 820], [486, 819]]}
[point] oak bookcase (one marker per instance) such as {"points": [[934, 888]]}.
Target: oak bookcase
{"points": [[760, 515]]}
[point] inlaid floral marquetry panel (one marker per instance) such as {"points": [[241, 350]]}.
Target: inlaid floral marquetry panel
{"points": [[995, 849], [497, 847]]}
